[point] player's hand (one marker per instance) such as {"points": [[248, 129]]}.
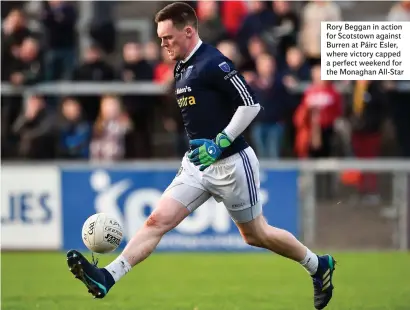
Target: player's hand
{"points": [[206, 151]]}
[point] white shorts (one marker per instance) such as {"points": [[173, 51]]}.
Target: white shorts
{"points": [[233, 180]]}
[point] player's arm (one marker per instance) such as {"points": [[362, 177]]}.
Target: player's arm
{"points": [[229, 82]]}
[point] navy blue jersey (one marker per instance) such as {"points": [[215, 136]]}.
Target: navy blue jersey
{"points": [[209, 90]]}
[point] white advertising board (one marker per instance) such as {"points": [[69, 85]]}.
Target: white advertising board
{"points": [[30, 208]]}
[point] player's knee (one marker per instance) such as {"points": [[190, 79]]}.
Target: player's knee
{"points": [[253, 239], [166, 216], [159, 222], [254, 233], [154, 220]]}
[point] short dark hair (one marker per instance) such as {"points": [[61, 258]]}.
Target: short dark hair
{"points": [[180, 13]]}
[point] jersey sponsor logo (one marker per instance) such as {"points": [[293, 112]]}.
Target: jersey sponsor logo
{"points": [[186, 101], [183, 90], [224, 67]]}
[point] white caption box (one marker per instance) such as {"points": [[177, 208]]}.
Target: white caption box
{"points": [[365, 51]]}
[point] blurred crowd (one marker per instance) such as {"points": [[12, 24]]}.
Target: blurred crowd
{"points": [[275, 46]]}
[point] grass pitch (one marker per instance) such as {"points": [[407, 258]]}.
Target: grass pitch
{"points": [[363, 281]]}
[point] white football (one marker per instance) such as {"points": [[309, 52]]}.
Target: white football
{"points": [[102, 233]]}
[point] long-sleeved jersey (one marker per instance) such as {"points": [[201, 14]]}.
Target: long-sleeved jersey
{"points": [[209, 90]]}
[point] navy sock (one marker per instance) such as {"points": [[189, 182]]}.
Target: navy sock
{"points": [[109, 280]]}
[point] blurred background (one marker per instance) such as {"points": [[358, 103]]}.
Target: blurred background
{"points": [[89, 120]]}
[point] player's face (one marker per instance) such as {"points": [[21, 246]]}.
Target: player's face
{"points": [[173, 40]]}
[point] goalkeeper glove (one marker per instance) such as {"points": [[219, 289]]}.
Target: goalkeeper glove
{"points": [[206, 151]]}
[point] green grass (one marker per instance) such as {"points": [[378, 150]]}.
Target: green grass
{"points": [[364, 281]]}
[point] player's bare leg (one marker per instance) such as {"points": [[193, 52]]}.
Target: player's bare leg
{"points": [[260, 234], [167, 215]]}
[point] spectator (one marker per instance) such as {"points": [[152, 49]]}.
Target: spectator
{"points": [[259, 20], [233, 13], [171, 116], [139, 107], [256, 48], [315, 117], [14, 31], [152, 53], [102, 27], [296, 69], [267, 130], [250, 77], [28, 69], [164, 71], [367, 117], [286, 30], [34, 128], [229, 49], [400, 108], [399, 101], [400, 12], [135, 67], [25, 69], [210, 25], [8, 6], [313, 14], [293, 75], [74, 132], [110, 130], [59, 20], [13, 34], [92, 69]]}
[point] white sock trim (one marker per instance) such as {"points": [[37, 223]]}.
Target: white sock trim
{"points": [[118, 268], [310, 262]]}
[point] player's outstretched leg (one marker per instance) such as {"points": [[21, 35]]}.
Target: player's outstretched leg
{"points": [[167, 215], [260, 234]]}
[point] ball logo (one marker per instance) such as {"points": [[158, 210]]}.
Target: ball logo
{"points": [[114, 223], [112, 239], [113, 230], [91, 228]]}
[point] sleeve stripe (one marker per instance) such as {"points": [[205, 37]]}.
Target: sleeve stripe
{"points": [[246, 90], [241, 88]]}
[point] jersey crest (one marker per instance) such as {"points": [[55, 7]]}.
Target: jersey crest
{"points": [[224, 67]]}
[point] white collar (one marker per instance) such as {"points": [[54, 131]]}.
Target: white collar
{"points": [[193, 51]]}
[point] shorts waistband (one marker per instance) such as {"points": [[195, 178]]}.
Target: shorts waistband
{"points": [[230, 159], [226, 160]]}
